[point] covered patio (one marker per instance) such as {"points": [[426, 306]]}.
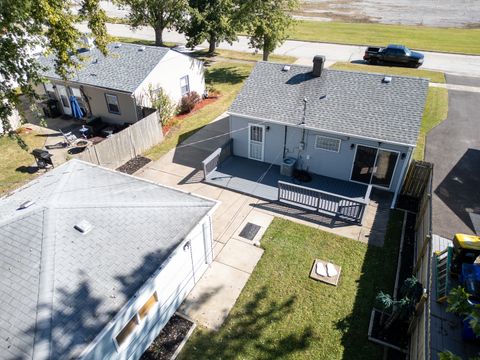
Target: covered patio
{"points": [[262, 180]]}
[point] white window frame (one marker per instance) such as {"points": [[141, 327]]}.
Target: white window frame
{"points": [[185, 78], [329, 138], [139, 320], [108, 103]]}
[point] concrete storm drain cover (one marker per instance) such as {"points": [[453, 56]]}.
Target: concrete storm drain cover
{"points": [[249, 231]]}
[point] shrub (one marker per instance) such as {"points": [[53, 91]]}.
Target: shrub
{"points": [[188, 102], [162, 103]]}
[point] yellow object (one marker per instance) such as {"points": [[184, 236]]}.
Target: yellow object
{"points": [[468, 242]]}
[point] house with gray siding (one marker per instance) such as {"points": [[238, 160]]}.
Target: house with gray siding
{"points": [[95, 262], [118, 87], [352, 126]]}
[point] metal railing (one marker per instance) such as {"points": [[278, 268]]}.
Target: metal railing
{"points": [[214, 159], [324, 202]]}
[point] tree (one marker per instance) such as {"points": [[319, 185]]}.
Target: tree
{"points": [[159, 14], [266, 22], [49, 25], [211, 20]]}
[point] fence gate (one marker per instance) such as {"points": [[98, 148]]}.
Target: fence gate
{"points": [[415, 185]]}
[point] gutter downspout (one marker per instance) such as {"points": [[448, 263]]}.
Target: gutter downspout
{"points": [[402, 177]]}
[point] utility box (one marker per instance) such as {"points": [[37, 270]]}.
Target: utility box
{"points": [[288, 165]]}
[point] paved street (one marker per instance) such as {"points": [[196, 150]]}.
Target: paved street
{"points": [[454, 149], [466, 65]]}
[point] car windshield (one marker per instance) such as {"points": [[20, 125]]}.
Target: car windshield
{"points": [[408, 52]]}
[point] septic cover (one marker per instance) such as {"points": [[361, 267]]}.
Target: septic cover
{"points": [[249, 231]]}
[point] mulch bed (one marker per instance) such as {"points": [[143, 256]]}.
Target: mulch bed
{"points": [[396, 334], [181, 117], [408, 249], [167, 342], [133, 165]]}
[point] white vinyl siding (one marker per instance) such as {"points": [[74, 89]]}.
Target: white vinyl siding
{"points": [[327, 143]]}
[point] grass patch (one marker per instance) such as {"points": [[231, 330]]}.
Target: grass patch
{"points": [[226, 78], [416, 37], [436, 110], [283, 314], [15, 161], [433, 76]]}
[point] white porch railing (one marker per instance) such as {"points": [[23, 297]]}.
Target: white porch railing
{"points": [[324, 202]]}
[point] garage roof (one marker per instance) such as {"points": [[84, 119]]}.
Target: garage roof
{"points": [[124, 68], [344, 102], [53, 272]]}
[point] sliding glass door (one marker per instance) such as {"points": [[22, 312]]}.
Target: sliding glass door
{"points": [[374, 166]]}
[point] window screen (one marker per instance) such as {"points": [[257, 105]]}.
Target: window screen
{"points": [[327, 143], [184, 85], [149, 304], [112, 104], [127, 330]]}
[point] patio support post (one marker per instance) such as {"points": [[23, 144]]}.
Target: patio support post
{"points": [[402, 177]]}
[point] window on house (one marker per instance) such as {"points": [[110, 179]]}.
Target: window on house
{"points": [[149, 304], [184, 85], [112, 104], [327, 143], [127, 331]]}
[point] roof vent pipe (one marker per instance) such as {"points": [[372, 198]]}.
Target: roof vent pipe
{"points": [[318, 63]]}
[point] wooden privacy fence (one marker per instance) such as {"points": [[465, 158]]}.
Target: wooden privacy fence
{"points": [[324, 202], [417, 179], [213, 160], [125, 145], [420, 326]]}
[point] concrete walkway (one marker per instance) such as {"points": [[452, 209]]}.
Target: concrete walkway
{"points": [[467, 65], [235, 257]]}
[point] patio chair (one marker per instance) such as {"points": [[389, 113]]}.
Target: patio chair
{"points": [[69, 137]]}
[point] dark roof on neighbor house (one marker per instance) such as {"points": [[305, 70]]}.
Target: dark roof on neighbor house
{"points": [[50, 271], [124, 68], [345, 102]]}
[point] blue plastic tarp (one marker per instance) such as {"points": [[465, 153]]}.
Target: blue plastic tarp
{"points": [[76, 110]]}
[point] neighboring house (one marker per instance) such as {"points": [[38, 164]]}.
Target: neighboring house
{"points": [[15, 121], [117, 87], [359, 127], [95, 262]]}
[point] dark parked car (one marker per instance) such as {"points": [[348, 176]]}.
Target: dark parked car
{"points": [[393, 54]]}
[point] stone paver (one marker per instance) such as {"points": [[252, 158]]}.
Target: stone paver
{"points": [[240, 255], [212, 298]]}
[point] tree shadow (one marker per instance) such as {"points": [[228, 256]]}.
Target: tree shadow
{"points": [[247, 326], [225, 75]]}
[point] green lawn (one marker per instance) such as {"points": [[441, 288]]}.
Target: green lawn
{"points": [[436, 110], [416, 37], [283, 314], [226, 78], [15, 160], [433, 76]]}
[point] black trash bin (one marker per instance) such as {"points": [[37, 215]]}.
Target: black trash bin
{"points": [[43, 158]]}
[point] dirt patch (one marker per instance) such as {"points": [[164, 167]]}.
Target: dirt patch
{"points": [[169, 339], [134, 165]]}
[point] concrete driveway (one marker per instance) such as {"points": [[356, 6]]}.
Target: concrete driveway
{"points": [[454, 149]]}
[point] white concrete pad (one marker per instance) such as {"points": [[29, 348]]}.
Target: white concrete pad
{"points": [[240, 255], [210, 302]]}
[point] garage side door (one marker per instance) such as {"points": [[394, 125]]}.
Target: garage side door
{"points": [[201, 249]]}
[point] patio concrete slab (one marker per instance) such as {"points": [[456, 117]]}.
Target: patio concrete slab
{"points": [[240, 255], [212, 298]]}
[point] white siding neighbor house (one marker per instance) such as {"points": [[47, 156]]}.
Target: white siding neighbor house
{"points": [[117, 87], [95, 262], [355, 127]]}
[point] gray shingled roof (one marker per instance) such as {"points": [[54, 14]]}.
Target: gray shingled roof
{"points": [[85, 279], [124, 68], [346, 102]]}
